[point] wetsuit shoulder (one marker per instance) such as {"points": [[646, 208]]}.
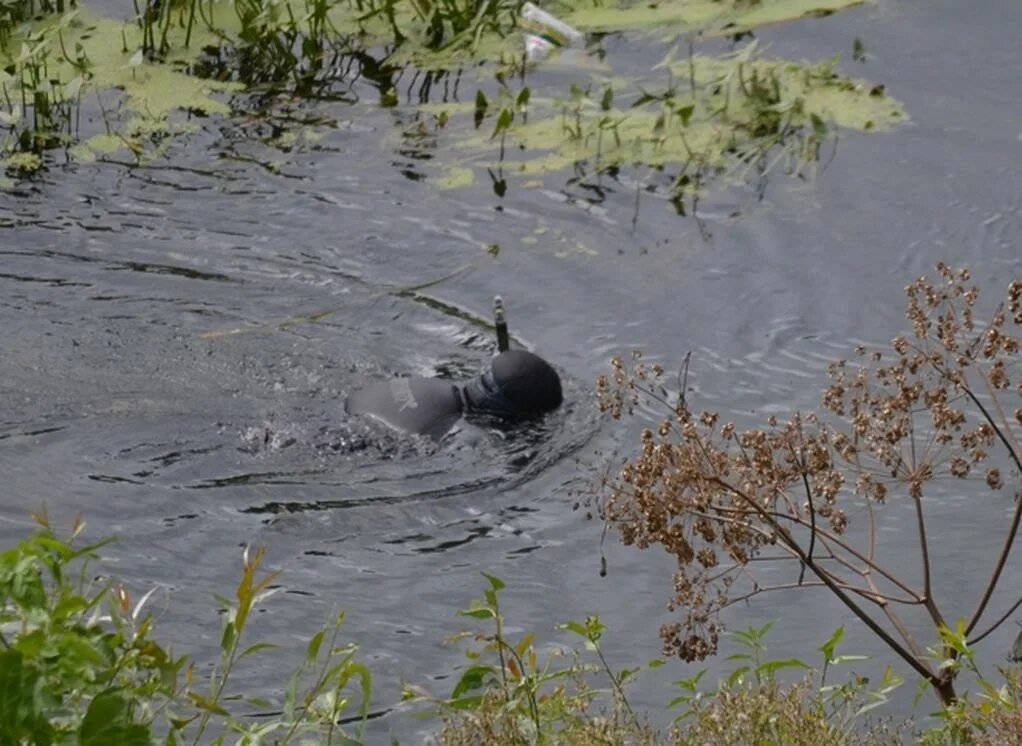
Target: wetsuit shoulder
{"points": [[426, 406]]}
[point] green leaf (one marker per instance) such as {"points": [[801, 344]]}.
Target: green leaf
{"points": [[691, 683], [477, 613], [291, 695], [771, 666], [504, 120], [685, 112], [21, 705], [736, 675], [681, 699], [256, 648], [228, 639], [607, 99], [830, 645], [496, 583], [819, 126], [312, 651], [849, 658], [473, 678], [465, 703], [577, 627], [207, 704], [108, 721], [481, 106]]}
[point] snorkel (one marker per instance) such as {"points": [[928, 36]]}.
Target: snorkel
{"points": [[500, 324], [518, 384]]}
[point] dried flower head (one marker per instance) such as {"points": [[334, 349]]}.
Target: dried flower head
{"points": [[720, 498]]}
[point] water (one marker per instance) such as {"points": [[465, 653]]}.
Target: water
{"points": [[179, 339]]}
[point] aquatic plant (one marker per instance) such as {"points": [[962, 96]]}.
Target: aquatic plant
{"points": [[733, 118], [80, 661], [943, 402], [38, 104], [13, 13], [739, 115]]}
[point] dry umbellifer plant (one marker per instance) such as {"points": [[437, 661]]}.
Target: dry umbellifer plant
{"points": [[943, 401]]}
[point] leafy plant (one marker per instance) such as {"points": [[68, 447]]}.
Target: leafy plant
{"points": [[752, 705], [508, 695], [79, 661], [944, 402], [40, 96]]}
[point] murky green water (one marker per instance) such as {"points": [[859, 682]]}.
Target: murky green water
{"points": [[148, 381]]}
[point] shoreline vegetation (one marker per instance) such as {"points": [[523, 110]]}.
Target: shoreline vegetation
{"points": [[81, 660], [709, 114]]}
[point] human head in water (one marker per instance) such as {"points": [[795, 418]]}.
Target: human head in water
{"points": [[517, 385]]}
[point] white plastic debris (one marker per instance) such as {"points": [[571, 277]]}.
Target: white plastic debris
{"points": [[546, 32], [537, 48]]}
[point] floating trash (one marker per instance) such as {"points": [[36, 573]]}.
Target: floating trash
{"points": [[547, 33]]}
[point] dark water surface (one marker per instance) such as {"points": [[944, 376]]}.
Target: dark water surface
{"points": [[161, 375]]}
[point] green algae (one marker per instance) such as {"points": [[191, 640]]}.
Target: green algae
{"points": [[700, 115], [106, 58], [717, 115], [709, 17], [454, 178]]}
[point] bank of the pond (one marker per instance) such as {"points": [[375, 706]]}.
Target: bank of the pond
{"points": [[83, 659]]}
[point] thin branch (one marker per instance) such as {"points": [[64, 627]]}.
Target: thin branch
{"points": [[905, 654], [996, 624], [858, 555], [766, 588], [924, 548], [809, 495], [898, 625], [1009, 540], [824, 534], [915, 600]]}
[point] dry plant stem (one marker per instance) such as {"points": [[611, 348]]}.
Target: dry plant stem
{"points": [[767, 588], [899, 625], [1016, 516], [944, 688], [870, 595], [812, 519], [824, 536], [998, 623], [865, 575], [823, 533], [924, 550], [999, 567], [710, 493]]}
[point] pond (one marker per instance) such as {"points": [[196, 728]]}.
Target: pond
{"points": [[179, 337]]}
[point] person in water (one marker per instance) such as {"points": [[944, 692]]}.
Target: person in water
{"points": [[518, 385]]}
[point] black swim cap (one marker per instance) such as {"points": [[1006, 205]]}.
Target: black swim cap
{"points": [[518, 384]]}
